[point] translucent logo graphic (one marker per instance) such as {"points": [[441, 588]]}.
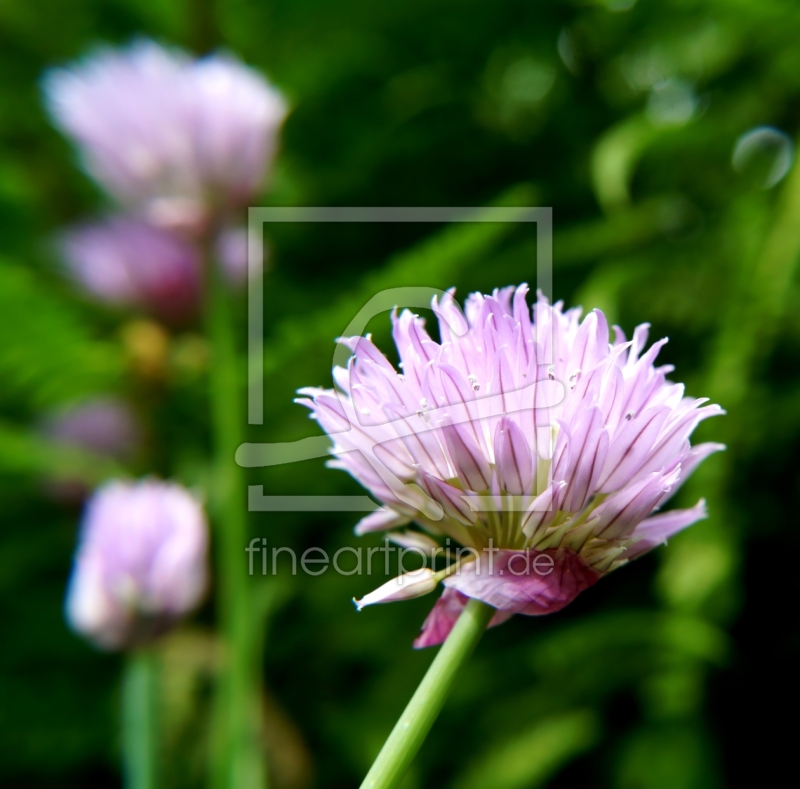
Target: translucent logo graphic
{"points": [[251, 455]]}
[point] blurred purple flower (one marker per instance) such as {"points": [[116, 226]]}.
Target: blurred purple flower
{"points": [[167, 134], [232, 251], [141, 563], [538, 443], [127, 261], [104, 426]]}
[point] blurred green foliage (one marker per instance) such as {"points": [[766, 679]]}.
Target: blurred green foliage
{"points": [[623, 117]]}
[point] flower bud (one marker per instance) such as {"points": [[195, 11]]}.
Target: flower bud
{"points": [[140, 563], [171, 137], [124, 260], [128, 262], [104, 426]]}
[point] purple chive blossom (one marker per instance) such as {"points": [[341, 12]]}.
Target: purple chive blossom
{"points": [[127, 261], [167, 134], [532, 439], [103, 426], [140, 563]]}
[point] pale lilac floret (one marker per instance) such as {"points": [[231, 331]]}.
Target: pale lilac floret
{"points": [[141, 563], [530, 437], [165, 133], [125, 260], [105, 425]]}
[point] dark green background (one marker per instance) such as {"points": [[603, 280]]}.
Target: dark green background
{"points": [[667, 674]]}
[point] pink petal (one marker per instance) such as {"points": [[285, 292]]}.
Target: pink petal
{"points": [[365, 350], [524, 582], [380, 520], [512, 455], [542, 506], [443, 616], [469, 463], [587, 443], [414, 541], [640, 334], [659, 528], [451, 320], [421, 442], [630, 449], [395, 459], [623, 511], [404, 587], [451, 499], [697, 455], [591, 343], [522, 312], [458, 393], [669, 445]]}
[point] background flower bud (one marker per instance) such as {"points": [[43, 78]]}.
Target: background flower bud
{"points": [[124, 260], [104, 426], [165, 134], [140, 565], [127, 261]]}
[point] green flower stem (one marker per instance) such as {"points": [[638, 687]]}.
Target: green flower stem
{"points": [[418, 717], [140, 720], [239, 759]]}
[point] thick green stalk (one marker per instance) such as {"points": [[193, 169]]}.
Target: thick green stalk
{"points": [[140, 721], [238, 758], [418, 717]]}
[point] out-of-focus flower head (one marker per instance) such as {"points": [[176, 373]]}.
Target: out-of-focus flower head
{"points": [[127, 261], [141, 563], [232, 250], [533, 439], [105, 426], [167, 134]]}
